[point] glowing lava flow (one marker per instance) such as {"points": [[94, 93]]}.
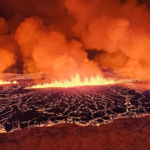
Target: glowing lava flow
{"points": [[7, 82], [76, 81]]}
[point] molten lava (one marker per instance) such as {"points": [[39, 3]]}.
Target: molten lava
{"points": [[7, 82], [76, 81]]}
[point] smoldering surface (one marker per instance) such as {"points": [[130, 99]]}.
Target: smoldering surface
{"points": [[27, 108]]}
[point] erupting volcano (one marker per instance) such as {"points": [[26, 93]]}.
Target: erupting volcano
{"points": [[85, 62]]}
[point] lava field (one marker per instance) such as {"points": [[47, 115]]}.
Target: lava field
{"points": [[95, 105]]}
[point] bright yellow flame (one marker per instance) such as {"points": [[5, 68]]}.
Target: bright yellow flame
{"points": [[7, 82], [76, 81]]}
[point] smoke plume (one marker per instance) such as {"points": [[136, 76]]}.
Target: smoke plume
{"points": [[53, 36], [6, 46], [48, 50], [121, 29]]}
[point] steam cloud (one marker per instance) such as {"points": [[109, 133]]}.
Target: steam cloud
{"points": [[52, 36]]}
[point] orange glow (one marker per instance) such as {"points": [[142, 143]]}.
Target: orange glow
{"points": [[76, 81], [7, 82]]}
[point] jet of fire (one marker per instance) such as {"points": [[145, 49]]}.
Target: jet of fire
{"points": [[76, 81]]}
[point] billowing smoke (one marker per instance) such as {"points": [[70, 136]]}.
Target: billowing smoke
{"points": [[53, 36], [48, 50], [121, 29], [6, 46]]}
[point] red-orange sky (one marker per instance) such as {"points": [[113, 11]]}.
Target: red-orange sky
{"points": [[54, 36]]}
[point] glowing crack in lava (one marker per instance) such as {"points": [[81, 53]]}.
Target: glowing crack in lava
{"points": [[76, 81], [7, 82]]}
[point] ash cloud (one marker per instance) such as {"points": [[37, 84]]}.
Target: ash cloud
{"points": [[53, 36]]}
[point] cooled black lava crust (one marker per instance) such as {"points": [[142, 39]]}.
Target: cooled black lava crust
{"points": [[21, 108]]}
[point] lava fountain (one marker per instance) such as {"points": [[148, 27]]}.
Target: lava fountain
{"points": [[76, 81]]}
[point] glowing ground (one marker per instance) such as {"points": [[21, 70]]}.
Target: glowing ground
{"points": [[25, 108]]}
